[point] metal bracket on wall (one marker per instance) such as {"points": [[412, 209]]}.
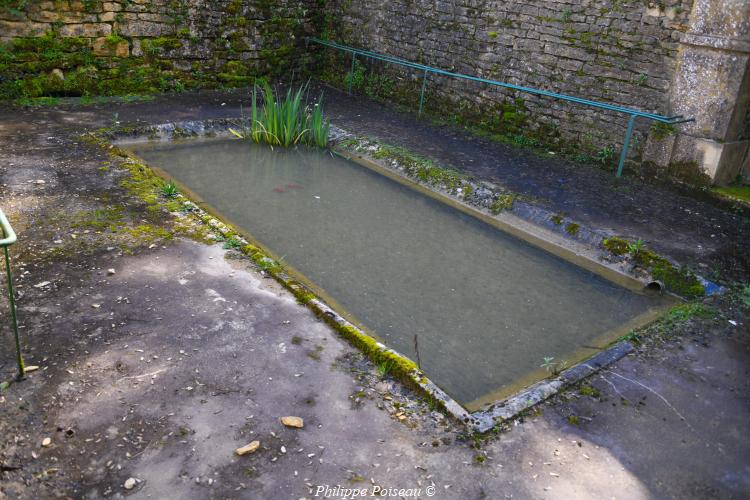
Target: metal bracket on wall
{"points": [[8, 238], [632, 112]]}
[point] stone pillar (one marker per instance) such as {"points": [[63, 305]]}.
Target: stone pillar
{"points": [[712, 84]]}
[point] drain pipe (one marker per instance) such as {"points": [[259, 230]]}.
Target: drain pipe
{"points": [[654, 286]]}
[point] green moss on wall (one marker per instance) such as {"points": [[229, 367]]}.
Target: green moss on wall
{"points": [[52, 65], [254, 38]]}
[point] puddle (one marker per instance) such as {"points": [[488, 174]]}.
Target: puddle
{"points": [[487, 308]]}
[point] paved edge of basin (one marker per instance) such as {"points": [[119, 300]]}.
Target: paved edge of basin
{"points": [[479, 421], [415, 377], [485, 420]]}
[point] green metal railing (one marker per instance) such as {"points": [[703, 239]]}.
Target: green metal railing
{"points": [[8, 238], [634, 113]]}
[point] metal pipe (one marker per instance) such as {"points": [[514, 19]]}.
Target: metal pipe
{"points": [[421, 94], [626, 145], [14, 320], [351, 74], [9, 237], [520, 88]]}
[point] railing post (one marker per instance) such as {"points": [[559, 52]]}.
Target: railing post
{"points": [[626, 145], [14, 320], [8, 237], [351, 73], [421, 94]]}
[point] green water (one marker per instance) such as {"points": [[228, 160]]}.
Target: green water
{"points": [[487, 307]]}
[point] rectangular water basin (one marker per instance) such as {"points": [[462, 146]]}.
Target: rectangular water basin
{"points": [[487, 307]]}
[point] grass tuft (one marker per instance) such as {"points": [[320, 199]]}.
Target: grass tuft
{"points": [[169, 190], [285, 120]]}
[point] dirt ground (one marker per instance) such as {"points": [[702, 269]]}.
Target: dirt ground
{"points": [[160, 355]]}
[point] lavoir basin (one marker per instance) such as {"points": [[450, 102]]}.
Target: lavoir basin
{"points": [[486, 307]]}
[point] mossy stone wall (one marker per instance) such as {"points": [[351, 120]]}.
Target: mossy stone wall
{"points": [[133, 46], [607, 50], [664, 56]]}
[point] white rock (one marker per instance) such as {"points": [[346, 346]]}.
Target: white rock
{"points": [[47, 442], [130, 483]]}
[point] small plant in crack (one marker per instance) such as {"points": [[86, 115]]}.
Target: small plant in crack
{"points": [[187, 207], [316, 353], [432, 402], [635, 248], [232, 243], [553, 367], [385, 368], [746, 296], [605, 155], [169, 190], [587, 390]]}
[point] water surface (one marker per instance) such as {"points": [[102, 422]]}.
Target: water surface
{"points": [[487, 307]]}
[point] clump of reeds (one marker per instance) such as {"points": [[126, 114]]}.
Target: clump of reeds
{"points": [[285, 120]]}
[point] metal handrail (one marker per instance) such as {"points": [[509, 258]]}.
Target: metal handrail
{"points": [[8, 233], [634, 113], [9, 238]]}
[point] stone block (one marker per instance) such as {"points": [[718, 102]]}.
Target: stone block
{"points": [[136, 49], [143, 29], [569, 52], [111, 7], [104, 47], [87, 30], [707, 87], [659, 151], [529, 45], [19, 28], [107, 17], [721, 161]]}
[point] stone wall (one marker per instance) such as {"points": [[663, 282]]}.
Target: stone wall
{"points": [[713, 85], [114, 47], [629, 53], [671, 57]]}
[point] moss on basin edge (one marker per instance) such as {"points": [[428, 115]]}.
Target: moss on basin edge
{"points": [[679, 280]]}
